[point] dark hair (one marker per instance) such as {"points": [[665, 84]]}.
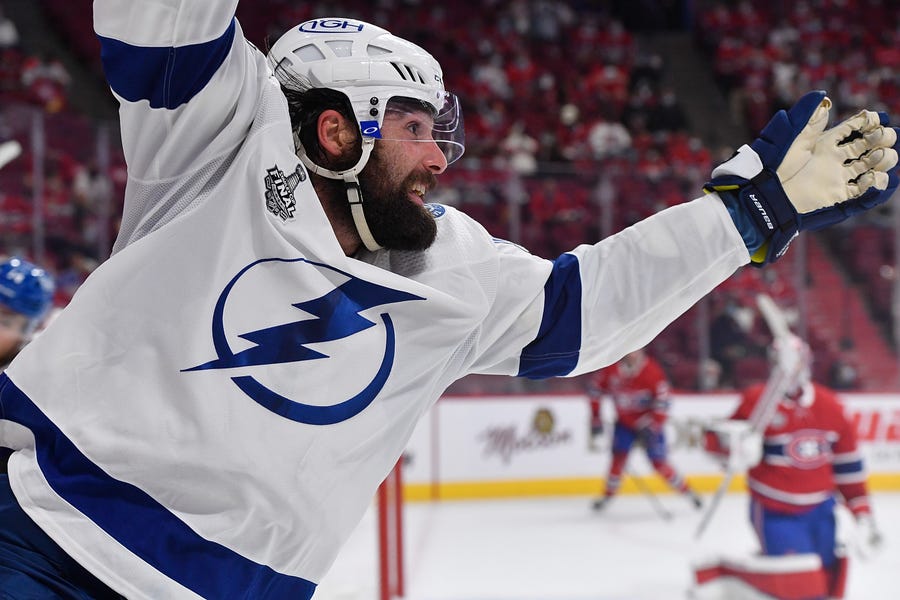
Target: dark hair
{"points": [[304, 109], [405, 104]]}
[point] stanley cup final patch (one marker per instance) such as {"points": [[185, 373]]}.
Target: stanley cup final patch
{"points": [[280, 191]]}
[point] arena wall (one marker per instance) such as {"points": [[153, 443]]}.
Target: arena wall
{"points": [[533, 445]]}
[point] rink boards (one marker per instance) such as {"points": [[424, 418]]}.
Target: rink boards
{"points": [[532, 445]]}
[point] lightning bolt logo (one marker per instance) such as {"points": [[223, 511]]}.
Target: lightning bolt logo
{"points": [[335, 315]]}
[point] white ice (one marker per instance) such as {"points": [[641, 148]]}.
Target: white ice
{"points": [[558, 549]]}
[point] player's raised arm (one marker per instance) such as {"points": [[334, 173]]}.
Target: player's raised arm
{"points": [[185, 79]]}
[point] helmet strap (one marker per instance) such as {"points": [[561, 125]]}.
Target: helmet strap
{"points": [[354, 197], [351, 185]]}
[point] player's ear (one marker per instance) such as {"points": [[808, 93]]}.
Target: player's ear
{"points": [[337, 136]]}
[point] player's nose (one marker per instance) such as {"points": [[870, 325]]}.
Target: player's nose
{"points": [[434, 158]]}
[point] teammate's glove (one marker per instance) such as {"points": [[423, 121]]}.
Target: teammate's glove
{"points": [[868, 536], [800, 176]]}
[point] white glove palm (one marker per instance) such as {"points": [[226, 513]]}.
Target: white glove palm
{"points": [[819, 170]]}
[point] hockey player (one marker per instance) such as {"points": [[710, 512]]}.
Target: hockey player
{"points": [[805, 462], [212, 413], [26, 295], [640, 392]]}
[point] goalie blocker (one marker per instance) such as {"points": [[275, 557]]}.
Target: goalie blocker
{"points": [[757, 577]]}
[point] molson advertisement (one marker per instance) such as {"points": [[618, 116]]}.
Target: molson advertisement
{"points": [[533, 445]]}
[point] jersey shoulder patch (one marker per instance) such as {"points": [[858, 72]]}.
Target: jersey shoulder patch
{"points": [[436, 210]]}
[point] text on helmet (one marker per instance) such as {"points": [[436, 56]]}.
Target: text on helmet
{"points": [[331, 25]]}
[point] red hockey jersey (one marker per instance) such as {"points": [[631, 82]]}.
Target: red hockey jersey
{"points": [[641, 398], [809, 452]]}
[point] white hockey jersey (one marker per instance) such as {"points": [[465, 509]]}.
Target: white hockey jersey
{"points": [[212, 413]]}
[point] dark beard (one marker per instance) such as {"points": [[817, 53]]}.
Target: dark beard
{"points": [[395, 222]]}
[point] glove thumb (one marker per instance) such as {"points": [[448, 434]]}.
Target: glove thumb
{"points": [[808, 115]]}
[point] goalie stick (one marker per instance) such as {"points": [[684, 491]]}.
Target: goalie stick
{"points": [[777, 386]]}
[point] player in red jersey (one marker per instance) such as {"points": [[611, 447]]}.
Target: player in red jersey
{"points": [[640, 392], [809, 462]]}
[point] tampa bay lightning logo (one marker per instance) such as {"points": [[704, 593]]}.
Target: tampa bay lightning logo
{"points": [[436, 210], [333, 315]]}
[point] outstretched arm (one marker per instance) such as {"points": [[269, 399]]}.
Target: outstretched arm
{"points": [[618, 295]]}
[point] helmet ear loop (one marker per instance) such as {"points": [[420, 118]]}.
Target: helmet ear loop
{"points": [[354, 196], [350, 178]]}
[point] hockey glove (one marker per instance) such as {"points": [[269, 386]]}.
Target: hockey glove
{"points": [[800, 176], [734, 444], [651, 422], [868, 536], [596, 415]]}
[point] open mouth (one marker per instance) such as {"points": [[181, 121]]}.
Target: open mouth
{"points": [[417, 194]]}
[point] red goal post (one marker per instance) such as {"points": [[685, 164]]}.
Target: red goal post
{"points": [[390, 534]]}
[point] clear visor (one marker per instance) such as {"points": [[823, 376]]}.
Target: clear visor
{"points": [[411, 120]]}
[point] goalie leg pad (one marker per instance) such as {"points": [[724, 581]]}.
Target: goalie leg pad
{"points": [[794, 577], [837, 579]]}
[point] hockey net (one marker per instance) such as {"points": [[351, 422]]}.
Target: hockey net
{"points": [[390, 534]]}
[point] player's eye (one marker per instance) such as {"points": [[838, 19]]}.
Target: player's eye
{"points": [[414, 127]]}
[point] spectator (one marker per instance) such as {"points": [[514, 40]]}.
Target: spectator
{"points": [[730, 339], [46, 81], [9, 33]]}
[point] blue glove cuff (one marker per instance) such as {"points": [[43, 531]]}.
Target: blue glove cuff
{"points": [[761, 212]]}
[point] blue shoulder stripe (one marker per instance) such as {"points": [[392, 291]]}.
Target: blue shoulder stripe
{"points": [[167, 77], [140, 523], [556, 348], [847, 468]]}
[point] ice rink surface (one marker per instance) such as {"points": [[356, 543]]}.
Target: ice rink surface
{"points": [[558, 549]]}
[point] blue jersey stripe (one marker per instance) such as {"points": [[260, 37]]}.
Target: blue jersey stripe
{"points": [[140, 523], [846, 468], [167, 77], [555, 350], [772, 449]]}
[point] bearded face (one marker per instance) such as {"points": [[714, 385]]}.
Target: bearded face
{"points": [[393, 199]]}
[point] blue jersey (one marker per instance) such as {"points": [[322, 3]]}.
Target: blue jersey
{"points": [[212, 413]]}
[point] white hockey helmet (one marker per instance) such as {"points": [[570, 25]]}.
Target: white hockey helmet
{"points": [[370, 66]]}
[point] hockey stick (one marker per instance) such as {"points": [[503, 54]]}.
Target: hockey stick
{"points": [[9, 151], [776, 387], [654, 500]]}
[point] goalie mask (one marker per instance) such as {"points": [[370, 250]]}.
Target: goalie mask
{"points": [[794, 357], [370, 66]]}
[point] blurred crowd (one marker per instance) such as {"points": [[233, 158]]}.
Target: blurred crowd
{"points": [[766, 54]]}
